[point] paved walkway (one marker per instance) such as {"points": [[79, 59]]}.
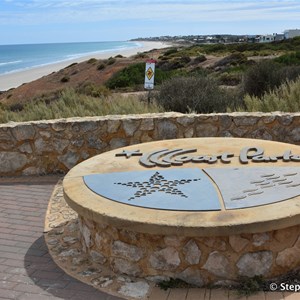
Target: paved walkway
{"points": [[26, 268]]}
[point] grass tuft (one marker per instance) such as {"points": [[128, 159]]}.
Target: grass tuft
{"points": [[285, 98], [71, 104]]}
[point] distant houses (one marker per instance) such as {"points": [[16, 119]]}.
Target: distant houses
{"points": [[226, 38], [275, 37], [291, 33]]}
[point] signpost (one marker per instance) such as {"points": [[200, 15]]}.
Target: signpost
{"points": [[149, 76]]}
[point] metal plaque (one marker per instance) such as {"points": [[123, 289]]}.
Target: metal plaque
{"points": [[248, 187], [173, 189]]}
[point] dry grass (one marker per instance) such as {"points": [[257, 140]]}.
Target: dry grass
{"points": [[71, 104], [285, 98]]}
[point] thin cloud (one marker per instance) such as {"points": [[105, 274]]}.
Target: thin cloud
{"points": [[41, 11]]}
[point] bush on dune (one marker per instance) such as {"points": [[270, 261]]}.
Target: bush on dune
{"points": [[285, 98], [266, 76], [193, 94]]}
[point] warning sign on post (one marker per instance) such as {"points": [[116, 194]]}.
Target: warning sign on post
{"points": [[149, 74]]}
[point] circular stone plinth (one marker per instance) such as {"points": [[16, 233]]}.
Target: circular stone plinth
{"points": [[280, 214], [190, 207]]}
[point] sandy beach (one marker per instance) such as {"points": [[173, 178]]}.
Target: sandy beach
{"points": [[15, 79]]}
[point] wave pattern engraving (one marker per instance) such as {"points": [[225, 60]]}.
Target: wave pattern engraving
{"points": [[248, 187]]}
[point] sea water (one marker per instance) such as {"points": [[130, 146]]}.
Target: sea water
{"points": [[19, 57]]}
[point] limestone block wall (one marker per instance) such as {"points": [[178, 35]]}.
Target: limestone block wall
{"points": [[45, 147], [196, 260]]}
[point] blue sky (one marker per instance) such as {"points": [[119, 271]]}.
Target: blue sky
{"points": [[42, 21]]}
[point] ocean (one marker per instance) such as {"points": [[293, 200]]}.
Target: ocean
{"points": [[20, 57]]}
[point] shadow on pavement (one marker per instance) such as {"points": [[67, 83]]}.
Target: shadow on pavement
{"points": [[53, 281]]}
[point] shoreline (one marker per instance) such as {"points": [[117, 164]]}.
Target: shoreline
{"points": [[15, 79]]}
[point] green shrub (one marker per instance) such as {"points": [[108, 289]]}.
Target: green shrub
{"points": [[127, 77], [170, 51], [230, 79], [101, 67], [267, 75], [92, 61], [289, 59], [134, 75], [199, 59], [248, 286], [91, 89], [66, 78], [119, 56], [71, 65], [285, 98], [289, 73], [193, 94], [261, 77], [185, 59], [141, 55], [170, 65], [111, 61], [232, 59]]}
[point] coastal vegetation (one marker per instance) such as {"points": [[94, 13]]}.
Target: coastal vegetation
{"points": [[285, 98], [199, 78], [70, 103]]}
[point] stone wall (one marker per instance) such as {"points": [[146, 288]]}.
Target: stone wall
{"points": [[197, 260], [44, 147]]}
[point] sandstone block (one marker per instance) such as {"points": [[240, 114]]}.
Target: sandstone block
{"points": [[172, 240], [260, 239], [137, 290], [124, 266], [165, 259], [186, 120], [256, 263], [237, 243], [245, 121], [97, 257], [113, 126], [87, 126], [289, 258], [127, 251], [12, 161], [60, 144], [192, 276], [192, 252], [69, 159], [23, 132], [130, 126], [95, 143], [25, 148], [117, 143], [189, 133], [59, 126], [215, 243], [147, 124], [217, 264], [206, 130], [166, 130]]}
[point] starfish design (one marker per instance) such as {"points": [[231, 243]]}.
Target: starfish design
{"points": [[157, 183]]}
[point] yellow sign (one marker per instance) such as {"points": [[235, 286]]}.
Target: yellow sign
{"points": [[149, 73]]}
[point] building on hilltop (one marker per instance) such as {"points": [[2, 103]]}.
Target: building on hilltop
{"points": [[291, 33], [267, 38]]}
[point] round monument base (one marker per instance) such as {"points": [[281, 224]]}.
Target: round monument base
{"points": [[229, 209], [196, 260]]}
